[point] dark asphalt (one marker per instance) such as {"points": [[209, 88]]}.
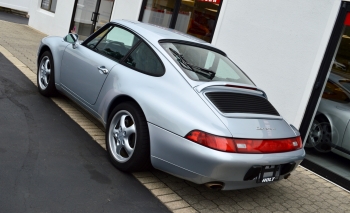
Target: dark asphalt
{"points": [[50, 164], [13, 18]]}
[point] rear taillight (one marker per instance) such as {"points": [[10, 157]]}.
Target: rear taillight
{"points": [[245, 145], [212, 141]]}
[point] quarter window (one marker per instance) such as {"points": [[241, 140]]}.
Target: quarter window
{"points": [[114, 42], [145, 60], [49, 5]]}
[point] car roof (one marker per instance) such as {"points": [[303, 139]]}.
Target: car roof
{"points": [[155, 33]]}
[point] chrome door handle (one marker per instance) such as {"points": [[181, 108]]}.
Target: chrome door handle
{"points": [[103, 70]]}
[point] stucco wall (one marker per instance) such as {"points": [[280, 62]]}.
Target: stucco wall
{"points": [[22, 5], [51, 23], [280, 45]]}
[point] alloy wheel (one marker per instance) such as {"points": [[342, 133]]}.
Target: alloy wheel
{"points": [[122, 136], [44, 72]]}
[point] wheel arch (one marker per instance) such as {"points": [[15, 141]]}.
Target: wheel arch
{"points": [[42, 50], [118, 100], [322, 116]]}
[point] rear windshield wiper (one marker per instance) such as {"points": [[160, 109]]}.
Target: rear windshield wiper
{"points": [[204, 72]]}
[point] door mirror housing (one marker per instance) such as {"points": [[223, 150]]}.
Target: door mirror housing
{"points": [[73, 39]]}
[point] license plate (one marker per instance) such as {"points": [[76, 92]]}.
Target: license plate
{"points": [[268, 174]]}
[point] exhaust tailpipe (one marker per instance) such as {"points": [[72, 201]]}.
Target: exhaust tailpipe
{"points": [[215, 185]]}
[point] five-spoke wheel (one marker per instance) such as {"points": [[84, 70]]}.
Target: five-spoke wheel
{"points": [[45, 75], [127, 138], [123, 136]]}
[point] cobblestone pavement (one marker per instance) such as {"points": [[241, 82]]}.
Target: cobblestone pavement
{"points": [[302, 192]]}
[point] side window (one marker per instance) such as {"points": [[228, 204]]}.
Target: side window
{"points": [[114, 42], [145, 60], [92, 44]]}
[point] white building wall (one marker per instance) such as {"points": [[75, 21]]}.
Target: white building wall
{"points": [[126, 9], [57, 23], [280, 45], [22, 5]]}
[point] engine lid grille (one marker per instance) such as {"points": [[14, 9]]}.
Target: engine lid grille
{"points": [[228, 102]]}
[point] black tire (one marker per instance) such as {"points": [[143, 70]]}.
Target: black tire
{"points": [[139, 159], [45, 75]]}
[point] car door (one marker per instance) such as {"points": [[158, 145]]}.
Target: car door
{"points": [[85, 67]]}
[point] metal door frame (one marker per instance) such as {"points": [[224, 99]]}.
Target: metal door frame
{"points": [[94, 15]]}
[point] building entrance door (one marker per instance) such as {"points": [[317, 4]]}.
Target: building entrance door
{"points": [[90, 15]]}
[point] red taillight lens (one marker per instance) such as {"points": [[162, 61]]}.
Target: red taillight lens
{"points": [[212, 141], [268, 146], [245, 145]]}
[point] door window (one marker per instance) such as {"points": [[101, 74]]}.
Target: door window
{"points": [[145, 60], [113, 42]]}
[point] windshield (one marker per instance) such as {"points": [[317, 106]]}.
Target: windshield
{"points": [[202, 64]]}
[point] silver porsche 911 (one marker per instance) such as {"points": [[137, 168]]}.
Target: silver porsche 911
{"points": [[174, 102]]}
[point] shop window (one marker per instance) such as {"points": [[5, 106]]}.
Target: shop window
{"points": [[49, 5], [328, 142], [158, 12], [195, 17]]}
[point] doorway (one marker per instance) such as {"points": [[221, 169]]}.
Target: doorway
{"points": [[89, 16]]}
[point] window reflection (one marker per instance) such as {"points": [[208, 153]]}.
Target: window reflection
{"points": [[195, 17], [158, 12], [328, 142], [198, 18]]}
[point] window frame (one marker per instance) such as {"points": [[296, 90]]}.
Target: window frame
{"points": [[175, 14], [122, 60], [50, 5]]}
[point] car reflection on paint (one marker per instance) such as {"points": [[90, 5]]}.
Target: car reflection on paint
{"points": [[174, 102], [330, 130]]}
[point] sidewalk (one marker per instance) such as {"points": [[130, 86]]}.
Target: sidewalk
{"points": [[302, 192]]}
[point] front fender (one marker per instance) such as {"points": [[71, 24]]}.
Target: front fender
{"points": [[57, 46]]}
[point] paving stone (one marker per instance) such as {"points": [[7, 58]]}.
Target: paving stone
{"points": [[208, 204], [185, 210], [151, 179], [162, 191], [169, 198], [177, 205], [155, 185]]}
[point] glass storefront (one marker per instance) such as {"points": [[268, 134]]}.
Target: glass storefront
{"points": [[328, 142], [198, 18], [90, 15], [159, 12], [194, 17]]}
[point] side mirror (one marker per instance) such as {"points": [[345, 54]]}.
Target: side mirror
{"points": [[72, 39]]}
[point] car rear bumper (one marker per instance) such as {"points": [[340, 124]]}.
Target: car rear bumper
{"points": [[185, 159]]}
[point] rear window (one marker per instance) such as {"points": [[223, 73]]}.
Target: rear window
{"points": [[202, 64]]}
